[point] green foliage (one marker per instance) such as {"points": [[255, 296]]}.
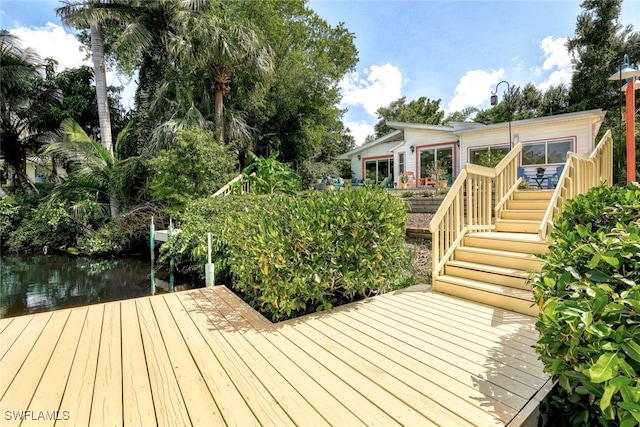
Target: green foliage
{"points": [[422, 110], [269, 176], [309, 253], [207, 215], [106, 240], [48, 225], [193, 168], [589, 294], [13, 209]]}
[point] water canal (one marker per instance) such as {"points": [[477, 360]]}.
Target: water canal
{"points": [[36, 283]]}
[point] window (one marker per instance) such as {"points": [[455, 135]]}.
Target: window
{"points": [[401, 163], [546, 152], [378, 170], [488, 156], [429, 157]]}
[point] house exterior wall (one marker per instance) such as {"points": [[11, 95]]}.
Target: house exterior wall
{"points": [[380, 151], [580, 131], [420, 138]]}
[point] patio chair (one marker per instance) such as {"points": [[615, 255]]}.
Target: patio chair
{"points": [[553, 179], [521, 174]]}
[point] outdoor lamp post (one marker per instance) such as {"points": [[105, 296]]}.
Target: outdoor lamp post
{"points": [[494, 102], [629, 73]]}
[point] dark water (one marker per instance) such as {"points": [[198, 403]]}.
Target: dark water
{"points": [[35, 283]]}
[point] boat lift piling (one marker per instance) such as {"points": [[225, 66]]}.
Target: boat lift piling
{"points": [[209, 268]]}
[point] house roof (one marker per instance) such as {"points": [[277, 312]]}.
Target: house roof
{"points": [[596, 113], [396, 135], [404, 125]]}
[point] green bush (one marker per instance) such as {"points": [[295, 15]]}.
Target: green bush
{"points": [[106, 240], [195, 167], [208, 215], [50, 224], [306, 253], [589, 294], [270, 176]]}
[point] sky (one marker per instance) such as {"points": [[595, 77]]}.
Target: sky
{"points": [[448, 50]]}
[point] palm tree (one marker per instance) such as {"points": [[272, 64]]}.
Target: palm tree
{"points": [[92, 13], [23, 97], [221, 47], [94, 172]]}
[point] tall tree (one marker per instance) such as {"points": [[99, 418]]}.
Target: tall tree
{"points": [[23, 97], [422, 110], [597, 50], [91, 14], [219, 44]]}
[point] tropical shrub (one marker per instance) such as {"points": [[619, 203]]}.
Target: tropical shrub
{"points": [[13, 209], [314, 251], [269, 176], [188, 249], [195, 167], [48, 225], [589, 294], [106, 240]]}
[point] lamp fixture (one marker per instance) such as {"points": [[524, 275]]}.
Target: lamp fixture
{"points": [[413, 149], [359, 156], [494, 102], [629, 73]]}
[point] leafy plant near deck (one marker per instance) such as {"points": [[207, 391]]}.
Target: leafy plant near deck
{"points": [[589, 293], [308, 253]]}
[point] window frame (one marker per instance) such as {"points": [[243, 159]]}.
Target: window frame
{"points": [[545, 157]]}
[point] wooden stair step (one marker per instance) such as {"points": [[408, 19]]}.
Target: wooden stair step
{"points": [[508, 259], [522, 204], [528, 243], [513, 277], [533, 195], [505, 297], [517, 225], [530, 214]]}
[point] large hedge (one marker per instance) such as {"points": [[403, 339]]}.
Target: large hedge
{"points": [[306, 253], [589, 293]]}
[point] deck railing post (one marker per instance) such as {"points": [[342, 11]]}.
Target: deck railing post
{"points": [[209, 269], [169, 233], [152, 246]]}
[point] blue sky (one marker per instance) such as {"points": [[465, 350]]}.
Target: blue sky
{"points": [[455, 51]]}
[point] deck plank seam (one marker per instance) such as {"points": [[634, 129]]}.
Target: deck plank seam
{"points": [[515, 350], [416, 361], [259, 374], [464, 357], [269, 360], [274, 331]]}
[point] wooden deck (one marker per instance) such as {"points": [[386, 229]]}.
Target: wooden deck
{"points": [[203, 357]]}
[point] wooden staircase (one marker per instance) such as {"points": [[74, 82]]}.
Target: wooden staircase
{"points": [[492, 266]]}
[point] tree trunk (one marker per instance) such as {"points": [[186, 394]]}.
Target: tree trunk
{"points": [[114, 206], [218, 106], [97, 52]]}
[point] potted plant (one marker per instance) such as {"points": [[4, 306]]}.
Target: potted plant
{"points": [[540, 172], [403, 180]]}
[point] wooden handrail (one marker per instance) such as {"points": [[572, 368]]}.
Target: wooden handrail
{"points": [[229, 186], [468, 206], [580, 174]]}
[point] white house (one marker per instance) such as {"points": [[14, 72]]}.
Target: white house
{"points": [[418, 147]]}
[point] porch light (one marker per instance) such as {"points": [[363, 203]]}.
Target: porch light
{"points": [[413, 149], [359, 156], [494, 102], [629, 73]]}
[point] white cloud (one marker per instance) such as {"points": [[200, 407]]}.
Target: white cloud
{"points": [[380, 85], [557, 61], [474, 89], [360, 130], [53, 41]]}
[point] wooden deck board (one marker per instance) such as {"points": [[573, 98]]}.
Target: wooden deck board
{"points": [[137, 397], [204, 357]]}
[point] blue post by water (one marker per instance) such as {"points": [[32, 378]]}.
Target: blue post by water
{"points": [[152, 246]]}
